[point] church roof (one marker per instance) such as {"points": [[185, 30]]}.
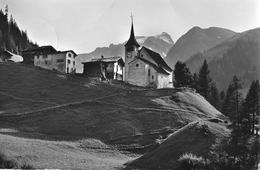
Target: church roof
{"points": [[158, 59], [158, 69], [132, 41]]}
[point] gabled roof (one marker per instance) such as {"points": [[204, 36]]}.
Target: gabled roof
{"points": [[132, 41], [43, 49], [67, 51], [106, 60], [158, 69], [157, 58], [11, 56]]}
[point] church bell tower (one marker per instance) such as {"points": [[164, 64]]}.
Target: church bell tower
{"points": [[131, 50]]}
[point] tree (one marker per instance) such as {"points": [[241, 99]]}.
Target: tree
{"points": [[214, 96], [233, 100], [195, 81], [251, 107], [204, 81], [182, 75]]}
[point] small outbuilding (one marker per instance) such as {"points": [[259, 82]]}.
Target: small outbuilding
{"points": [[7, 56], [104, 68]]}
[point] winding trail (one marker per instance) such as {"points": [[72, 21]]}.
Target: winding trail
{"points": [[60, 106]]}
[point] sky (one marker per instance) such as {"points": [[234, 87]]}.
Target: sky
{"points": [[83, 25]]}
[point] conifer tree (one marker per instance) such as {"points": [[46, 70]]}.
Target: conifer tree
{"points": [[251, 107], [214, 96], [204, 81], [195, 81], [182, 75], [233, 100]]}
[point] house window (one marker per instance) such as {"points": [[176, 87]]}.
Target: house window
{"points": [[137, 65], [149, 72], [68, 61], [152, 77], [60, 60], [38, 57], [74, 63], [69, 55], [67, 69], [142, 55], [45, 62]]}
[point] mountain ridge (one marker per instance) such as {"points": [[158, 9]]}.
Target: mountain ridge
{"points": [[196, 40], [238, 55]]}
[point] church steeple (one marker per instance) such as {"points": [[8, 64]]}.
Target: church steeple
{"points": [[132, 41]]}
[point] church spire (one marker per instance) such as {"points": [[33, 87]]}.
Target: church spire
{"points": [[132, 41]]}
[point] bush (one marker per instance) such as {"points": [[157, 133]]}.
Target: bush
{"points": [[189, 161], [27, 166], [6, 163]]}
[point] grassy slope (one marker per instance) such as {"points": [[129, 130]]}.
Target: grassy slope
{"points": [[191, 138], [131, 115], [61, 154]]}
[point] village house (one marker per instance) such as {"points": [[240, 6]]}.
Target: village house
{"points": [[29, 54], [144, 67], [7, 56], [49, 58], [104, 68]]}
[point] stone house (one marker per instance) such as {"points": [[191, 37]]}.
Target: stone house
{"points": [[144, 67], [29, 54], [62, 61], [104, 68], [49, 58]]}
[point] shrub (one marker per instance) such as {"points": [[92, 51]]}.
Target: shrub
{"points": [[6, 163], [26, 166], [189, 161]]}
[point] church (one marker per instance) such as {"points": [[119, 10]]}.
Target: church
{"points": [[145, 67]]}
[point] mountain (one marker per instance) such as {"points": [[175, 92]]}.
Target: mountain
{"points": [[12, 38], [238, 55], [196, 40], [160, 43]]}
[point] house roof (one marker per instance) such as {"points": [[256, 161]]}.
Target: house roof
{"points": [[6, 53], [67, 51], [43, 49], [157, 58], [11, 56], [106, 60], [132, 41], [48, 49], [158, 69]]}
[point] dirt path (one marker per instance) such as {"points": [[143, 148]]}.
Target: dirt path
{"points": [[25, 99], [60, 106]]}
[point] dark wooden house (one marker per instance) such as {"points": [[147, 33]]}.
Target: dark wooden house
{"points": [[104, 68]]}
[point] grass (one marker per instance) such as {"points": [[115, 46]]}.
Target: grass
{"points": [[60, 154], [113, 112], [196, 137]]}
